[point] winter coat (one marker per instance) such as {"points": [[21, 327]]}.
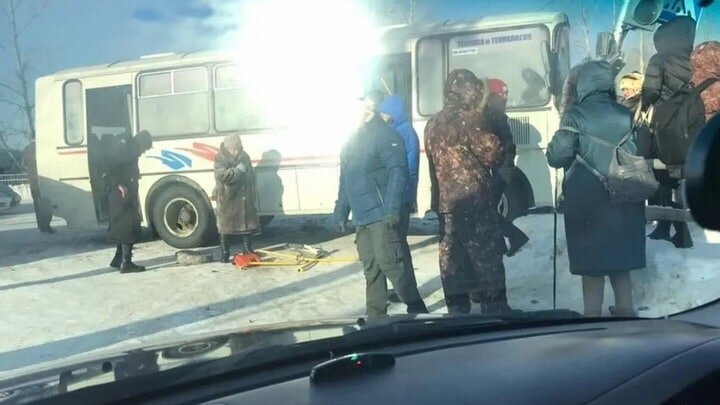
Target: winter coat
{"points": [[395, 108], [121, 170], [461, 153], [705, 60], [496, 122], [669, 69], [373, 174], [603, 238], [235, 193]]}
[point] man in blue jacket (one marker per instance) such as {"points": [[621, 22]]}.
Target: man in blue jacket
{"points": [[392, 110], [373, 173]]}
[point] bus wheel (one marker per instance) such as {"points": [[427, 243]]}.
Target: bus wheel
{"points": [[181, 217]]}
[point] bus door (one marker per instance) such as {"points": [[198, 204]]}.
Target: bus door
{"points": [[393, 75], [109, 120]]}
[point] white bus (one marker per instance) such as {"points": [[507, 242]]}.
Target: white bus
{"points": [[190, 101]]}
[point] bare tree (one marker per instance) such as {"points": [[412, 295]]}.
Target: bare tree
{"points": [[394, 11], [16, 90]]}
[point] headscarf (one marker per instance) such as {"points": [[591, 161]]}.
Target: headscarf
{"points": [[632, 81], [233, 142], [463, 91]]}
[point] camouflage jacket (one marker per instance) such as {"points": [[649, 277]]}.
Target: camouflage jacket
{"points": [[705, 61]]}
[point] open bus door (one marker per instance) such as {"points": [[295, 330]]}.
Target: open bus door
{"points": [[393, 75], [109, 120]]}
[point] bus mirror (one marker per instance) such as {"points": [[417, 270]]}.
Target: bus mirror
{"points": [[605, 45]]}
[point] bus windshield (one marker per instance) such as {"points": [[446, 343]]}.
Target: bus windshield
{"points": [[514, 56]]}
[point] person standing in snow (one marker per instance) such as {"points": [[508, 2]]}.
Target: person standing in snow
{"points": [[392, 110], [497, 122], [373, 174], [43, 213], [461, 156], [122, 174], [668, 71], [705, 61], [236, 196], [604, 238]]}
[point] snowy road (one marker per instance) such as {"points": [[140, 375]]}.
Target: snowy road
{"points": [[60, 299]]}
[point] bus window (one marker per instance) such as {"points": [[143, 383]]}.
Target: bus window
{"points": [[430, 76], [174, 103], [562, 65], [514, 56], [235, 108], [73, 112]]}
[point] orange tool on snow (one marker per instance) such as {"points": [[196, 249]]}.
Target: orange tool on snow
{"points": [[245, 259]]}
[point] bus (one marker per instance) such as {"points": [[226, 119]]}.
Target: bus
{"points": [[190, 101]]}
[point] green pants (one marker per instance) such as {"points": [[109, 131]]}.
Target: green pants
{"points": [[380, 250]]}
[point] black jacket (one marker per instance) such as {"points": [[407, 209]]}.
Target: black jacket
{"points": [[497, 123], [669, 69], [373, 173]]}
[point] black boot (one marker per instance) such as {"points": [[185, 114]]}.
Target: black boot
{"points": [[393, 297], [127, 266], [682, 238], [457, 304], [417, 308], [117, 259], [661, 232], [247, 244], [224, 249]]}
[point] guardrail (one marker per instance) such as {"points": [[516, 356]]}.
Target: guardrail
{"points": [[14, 179]]}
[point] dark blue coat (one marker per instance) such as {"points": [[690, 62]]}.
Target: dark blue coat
{"points": [[395, 108], [603, 238], [373, 173]]}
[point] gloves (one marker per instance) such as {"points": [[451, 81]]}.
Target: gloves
{"points": [[342, 226], [241, 167], [391, 220]]}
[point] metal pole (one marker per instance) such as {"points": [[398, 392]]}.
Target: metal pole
{"points": [[555, 221], [618, 31]]}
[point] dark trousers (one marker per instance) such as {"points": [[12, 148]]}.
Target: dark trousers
{"points": [[402, 230], [471, 260], [43, 216], [381, 253]]}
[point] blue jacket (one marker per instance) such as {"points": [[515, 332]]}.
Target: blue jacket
{"points": [[373, 172], [395, 108]]}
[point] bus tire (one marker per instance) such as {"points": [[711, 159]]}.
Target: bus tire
{"points": [[265, 220], [182, 218], [514, 202]]}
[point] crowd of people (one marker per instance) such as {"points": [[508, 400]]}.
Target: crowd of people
{"points": [[468, 145]]}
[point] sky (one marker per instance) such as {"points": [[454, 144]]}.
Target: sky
{"points": [[72, 33]]}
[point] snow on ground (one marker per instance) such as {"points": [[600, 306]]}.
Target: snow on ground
{"points": [[62, 300]]}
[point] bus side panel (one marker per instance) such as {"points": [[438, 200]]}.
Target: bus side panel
{"points": [[62, 168]]}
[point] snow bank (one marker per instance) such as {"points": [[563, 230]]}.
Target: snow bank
{"points": [[73, 304]]}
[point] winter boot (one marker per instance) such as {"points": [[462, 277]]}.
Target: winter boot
{"points": [[682, 238], [622, 312], [224, 249], [661, 232], [247, 244], [117, 259], [498, 308], [393, 297], [126, 265], [417, 308], [457, 304]]}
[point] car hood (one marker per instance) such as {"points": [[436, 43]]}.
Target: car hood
{"points": [[49, 379]]}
